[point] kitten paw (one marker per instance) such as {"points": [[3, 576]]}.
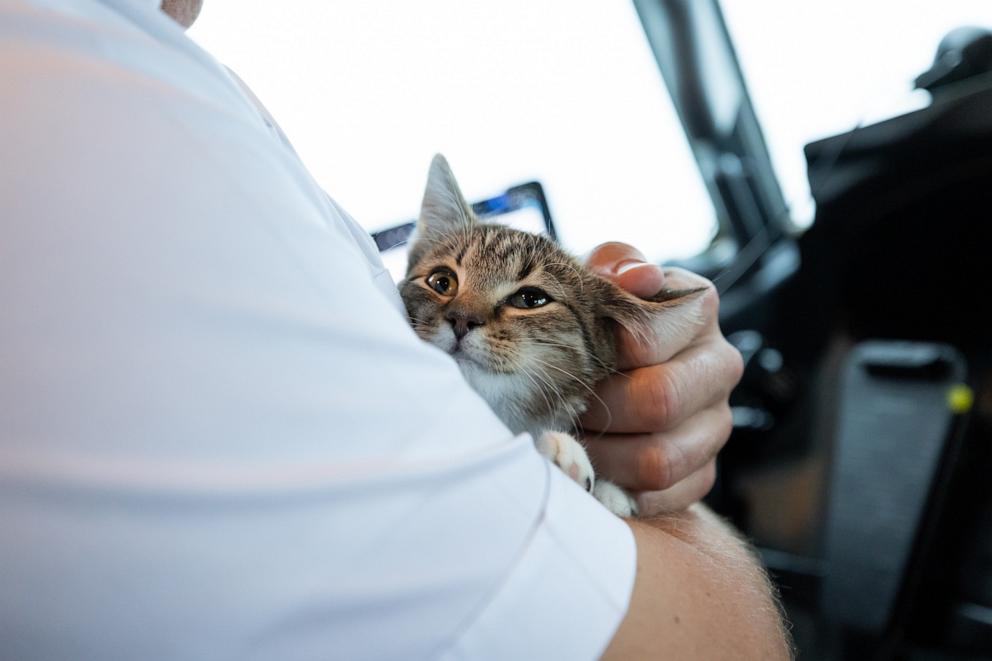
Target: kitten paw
{"points": [[615, 499], [569, 455]]}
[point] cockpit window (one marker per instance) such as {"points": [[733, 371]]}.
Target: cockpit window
{"points": [[816, 69], [568, 94]]}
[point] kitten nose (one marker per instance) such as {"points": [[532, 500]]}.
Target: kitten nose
{"points": [[462, 322]]}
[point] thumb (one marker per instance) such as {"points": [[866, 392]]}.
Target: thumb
{"points": [[626, 266]]}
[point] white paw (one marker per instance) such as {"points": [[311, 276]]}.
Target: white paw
{"points": [[615, 499], [569, 455]]}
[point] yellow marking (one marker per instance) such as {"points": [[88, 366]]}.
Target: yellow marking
{"points": [[960, 399]]}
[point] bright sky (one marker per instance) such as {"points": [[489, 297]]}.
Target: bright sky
{"points": [[509, 91], [565, 93]]}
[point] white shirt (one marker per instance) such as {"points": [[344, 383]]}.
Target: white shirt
{"points": [[219, 439]]}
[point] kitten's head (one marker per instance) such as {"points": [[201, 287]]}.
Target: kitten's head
{"points": [[530, 327]]}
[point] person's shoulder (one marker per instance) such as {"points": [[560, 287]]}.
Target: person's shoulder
{"points": [[119, 51]]}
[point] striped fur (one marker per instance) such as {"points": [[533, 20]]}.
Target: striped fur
{"points": [[535, 367]]}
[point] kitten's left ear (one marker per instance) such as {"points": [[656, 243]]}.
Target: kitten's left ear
{"points": [[444, 210], [443, 213], [670, 312]]}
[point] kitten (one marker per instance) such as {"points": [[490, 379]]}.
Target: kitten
{"points": [[531, 328]]}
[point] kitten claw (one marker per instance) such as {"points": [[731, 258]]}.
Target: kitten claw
{"points": [[617, 500]]}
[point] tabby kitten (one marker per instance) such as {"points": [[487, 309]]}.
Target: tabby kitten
{"points": [[531, 328]]}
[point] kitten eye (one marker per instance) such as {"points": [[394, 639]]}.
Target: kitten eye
{"points": [[443, 281], [529, 297]]}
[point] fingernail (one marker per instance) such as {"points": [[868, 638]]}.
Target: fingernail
{"points": [[629, 264]]}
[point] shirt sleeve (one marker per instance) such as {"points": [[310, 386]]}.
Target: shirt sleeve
{"points": [[218, 436]]}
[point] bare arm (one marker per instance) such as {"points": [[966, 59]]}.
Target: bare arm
{"points": [[699, 594]]}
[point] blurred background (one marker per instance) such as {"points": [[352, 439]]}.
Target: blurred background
{"points": [[827, 164], [519, 90]]}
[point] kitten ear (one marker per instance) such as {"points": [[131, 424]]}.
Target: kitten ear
{"points": [[444, 210], [669, 314], [443, 213]]}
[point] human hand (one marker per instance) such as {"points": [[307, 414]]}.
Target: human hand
{"points": [[668, 413]]}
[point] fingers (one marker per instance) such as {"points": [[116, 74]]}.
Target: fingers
{"points": [[678, 498], [678, 380], [660, 397], [627, 267], [655, 462], [694, 320]]}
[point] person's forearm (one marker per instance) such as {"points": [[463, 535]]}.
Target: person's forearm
{"points": [[700, 593]]}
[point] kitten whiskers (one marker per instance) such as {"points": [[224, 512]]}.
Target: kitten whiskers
{"points": [[609, 415]]}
